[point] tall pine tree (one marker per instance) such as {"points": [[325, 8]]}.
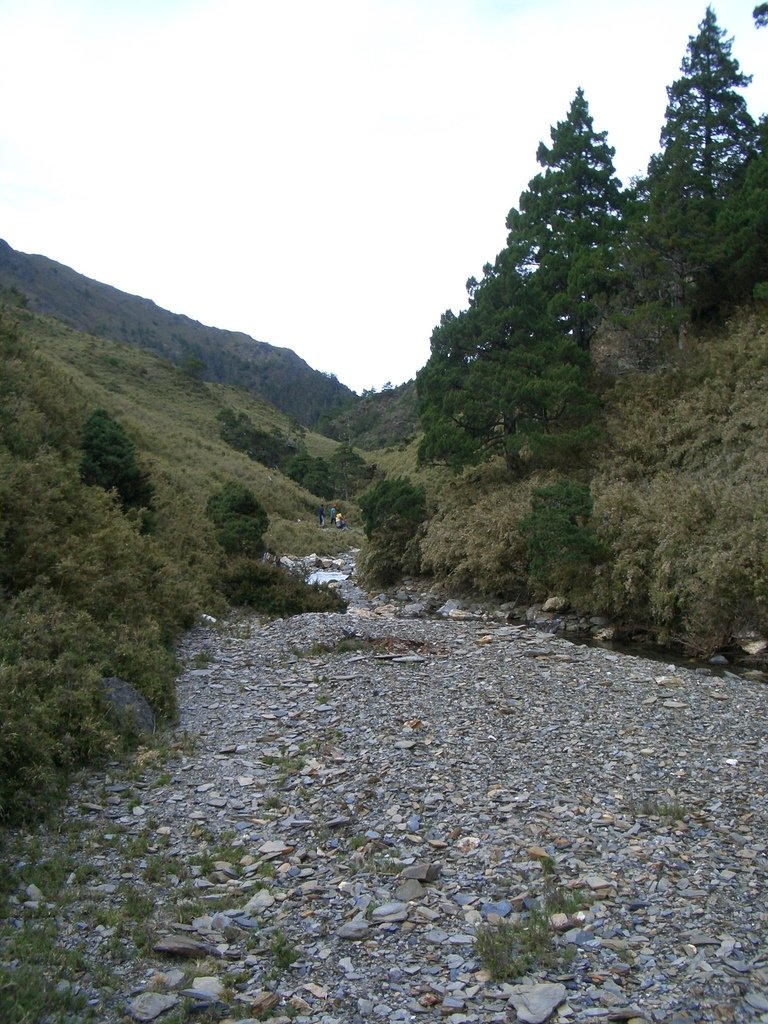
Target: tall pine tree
{"points": [[569, 224], [510, 376], [707, 139]]}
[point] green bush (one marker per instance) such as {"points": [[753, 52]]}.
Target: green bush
{"points": [[109, 461], [474, 541], [313, 474], [50, 702], [239, 432], [83, 592], [272, 591], [239, 518], [393, 500], [561, 546], [392, 512]]}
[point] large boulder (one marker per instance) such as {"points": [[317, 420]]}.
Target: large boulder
{"points": [[131, 710]]}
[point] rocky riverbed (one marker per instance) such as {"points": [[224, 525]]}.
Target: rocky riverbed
{"points": [[350, 802]]}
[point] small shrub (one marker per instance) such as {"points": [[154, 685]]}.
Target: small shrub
{"points": [[239, 519], [509, 949], [109, 461], [395, 499], [392, 512], [268, 589], [283, 950], [562, 549], [474, 542]]}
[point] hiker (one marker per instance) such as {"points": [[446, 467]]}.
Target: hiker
{"points": [[332, 515], [321, 514]]}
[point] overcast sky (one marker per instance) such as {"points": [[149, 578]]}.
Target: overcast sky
{"points": [[324, 176]]}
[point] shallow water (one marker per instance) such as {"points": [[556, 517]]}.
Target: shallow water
{"points": [[324, 576]]}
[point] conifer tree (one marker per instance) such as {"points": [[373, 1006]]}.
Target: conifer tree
{"points": [[707, 138], [109, 461], [510, 376], [569, 225]]}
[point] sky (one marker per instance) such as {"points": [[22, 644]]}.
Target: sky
{"points": [[324, 176]]}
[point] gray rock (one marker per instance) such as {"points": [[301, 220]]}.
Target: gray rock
{"points": [[150, 1005], [414, 610], [130, 708], [537, 1003], [355, 929], [178, 945], [410, 889]]}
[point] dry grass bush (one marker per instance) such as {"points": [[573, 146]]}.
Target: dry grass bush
{"points": [[390, 555], [681, 498], [473, 542], [680, 490]]}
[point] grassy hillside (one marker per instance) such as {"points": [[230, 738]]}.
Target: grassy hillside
{"points": [[172, 418], [276, 374], [86, 591], [681, 496]]}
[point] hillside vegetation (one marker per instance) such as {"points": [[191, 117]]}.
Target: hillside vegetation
{"points": [[89, 585], [599, 408], [376, 419], [674, 540], [593, 427]]}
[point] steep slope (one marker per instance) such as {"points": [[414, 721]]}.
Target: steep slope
{"points": [[377, 419], [91, 587], [227, 357]]}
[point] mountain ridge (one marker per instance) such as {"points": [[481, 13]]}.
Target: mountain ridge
{"points": [[227, 357]]}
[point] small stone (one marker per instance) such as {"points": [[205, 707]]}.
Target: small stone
{"points": [[503, 908], [537, 1003], [395, 911], [169, 979], [261, 1002], [355, 929], [275, 848], [211, 987], [150, 1005], [178, 945], [423, 872], [411, 889], [757, 1000], [597, 882], [263, 900]]}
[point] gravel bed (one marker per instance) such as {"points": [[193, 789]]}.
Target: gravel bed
{"points": [[349, 801]]}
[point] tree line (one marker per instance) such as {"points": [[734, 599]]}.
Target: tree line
{"points": [[683, 245]]}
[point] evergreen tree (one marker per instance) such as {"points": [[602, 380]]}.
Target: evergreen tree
{"points": [[569, 226], [349, 470], [239, 518], [707, 138], [742, 228], [511, 375], [109, 461], [495, 385]]}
